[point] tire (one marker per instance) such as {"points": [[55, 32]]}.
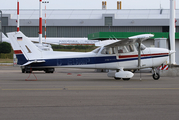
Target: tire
{"points": [[23, 70], [46, 71], [117, 78], [49, 70], [126, 79], [156, 76], [28, 70]]}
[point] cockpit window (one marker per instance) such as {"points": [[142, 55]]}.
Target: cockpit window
{"points": [[142, 46]]}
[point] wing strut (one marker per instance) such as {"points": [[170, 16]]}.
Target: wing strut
{"points": [[139, 58], [139, 55]]}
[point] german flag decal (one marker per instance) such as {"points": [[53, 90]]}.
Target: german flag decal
{"points": [[19, 38]]}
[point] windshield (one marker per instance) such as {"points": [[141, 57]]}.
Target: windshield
{"points": [[96, 50], [142, 46]]}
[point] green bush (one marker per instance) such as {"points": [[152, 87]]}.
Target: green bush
{"points": [[6, 56], [5, 47]]}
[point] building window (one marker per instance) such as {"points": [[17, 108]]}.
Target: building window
{"points": [[108, 21], [165, 28]]}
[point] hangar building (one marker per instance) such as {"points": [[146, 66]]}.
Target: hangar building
{"points": [[86, 22]]}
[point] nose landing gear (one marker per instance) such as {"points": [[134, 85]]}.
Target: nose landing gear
{"points": [[155, 74]]}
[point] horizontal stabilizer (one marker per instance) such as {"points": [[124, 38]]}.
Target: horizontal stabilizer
{"points": [[35, 61]]}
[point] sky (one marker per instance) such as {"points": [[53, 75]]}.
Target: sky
{"points": [[88, 4]]}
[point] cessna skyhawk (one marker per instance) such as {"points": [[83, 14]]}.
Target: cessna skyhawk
{"points": [[115, 55]]}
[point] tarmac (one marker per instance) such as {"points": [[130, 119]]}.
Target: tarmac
{"points": [[82, 94]]}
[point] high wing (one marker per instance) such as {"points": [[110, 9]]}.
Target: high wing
{"points": [[105, 42], [130, 40]]}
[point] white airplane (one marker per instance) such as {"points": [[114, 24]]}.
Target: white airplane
{"points": [[58, 41], [115, 55]]}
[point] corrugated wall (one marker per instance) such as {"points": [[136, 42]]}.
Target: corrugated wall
{"points": [[177, 29], [79, 31], [31, 31]]}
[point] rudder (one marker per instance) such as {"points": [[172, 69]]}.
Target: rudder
{"points": [[24, 49]]}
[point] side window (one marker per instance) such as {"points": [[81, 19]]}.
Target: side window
{"points": [[108, 51], [122, 49], [130, 48]]}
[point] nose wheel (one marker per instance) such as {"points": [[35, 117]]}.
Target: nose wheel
{"points": [[155, 75]]}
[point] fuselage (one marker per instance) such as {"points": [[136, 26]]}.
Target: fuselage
{"points": [[102, 58]]}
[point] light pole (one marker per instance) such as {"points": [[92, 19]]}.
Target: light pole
{"points": [[45, 19], [172, 30]]}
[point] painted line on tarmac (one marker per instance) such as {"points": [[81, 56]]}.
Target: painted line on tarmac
{"points": [[86, 88], [31, 89]]}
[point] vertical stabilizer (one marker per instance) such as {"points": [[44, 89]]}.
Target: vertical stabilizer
{"points": [[23, 46]]}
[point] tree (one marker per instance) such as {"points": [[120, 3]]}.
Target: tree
{"points": [[5, 47]]}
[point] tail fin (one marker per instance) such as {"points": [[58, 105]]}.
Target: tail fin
{"points": [[24, 49]]}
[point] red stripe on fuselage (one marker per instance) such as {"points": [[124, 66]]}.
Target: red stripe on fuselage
{"points": [[18, 52], [143, 55], [159, 54]]}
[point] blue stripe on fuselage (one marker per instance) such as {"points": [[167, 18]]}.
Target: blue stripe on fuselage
{"points": [[81, 61], [21, 59]]}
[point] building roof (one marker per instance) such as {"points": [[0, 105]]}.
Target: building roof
{"points": [[92, 17], [92, 13]]}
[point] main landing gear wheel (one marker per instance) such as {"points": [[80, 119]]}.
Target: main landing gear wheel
{"points": [[126, 79], [23, 70], [49, 70], [117, 78], [156, 76]]}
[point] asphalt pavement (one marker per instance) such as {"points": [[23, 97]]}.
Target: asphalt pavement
{"points": [[81, 94]]}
